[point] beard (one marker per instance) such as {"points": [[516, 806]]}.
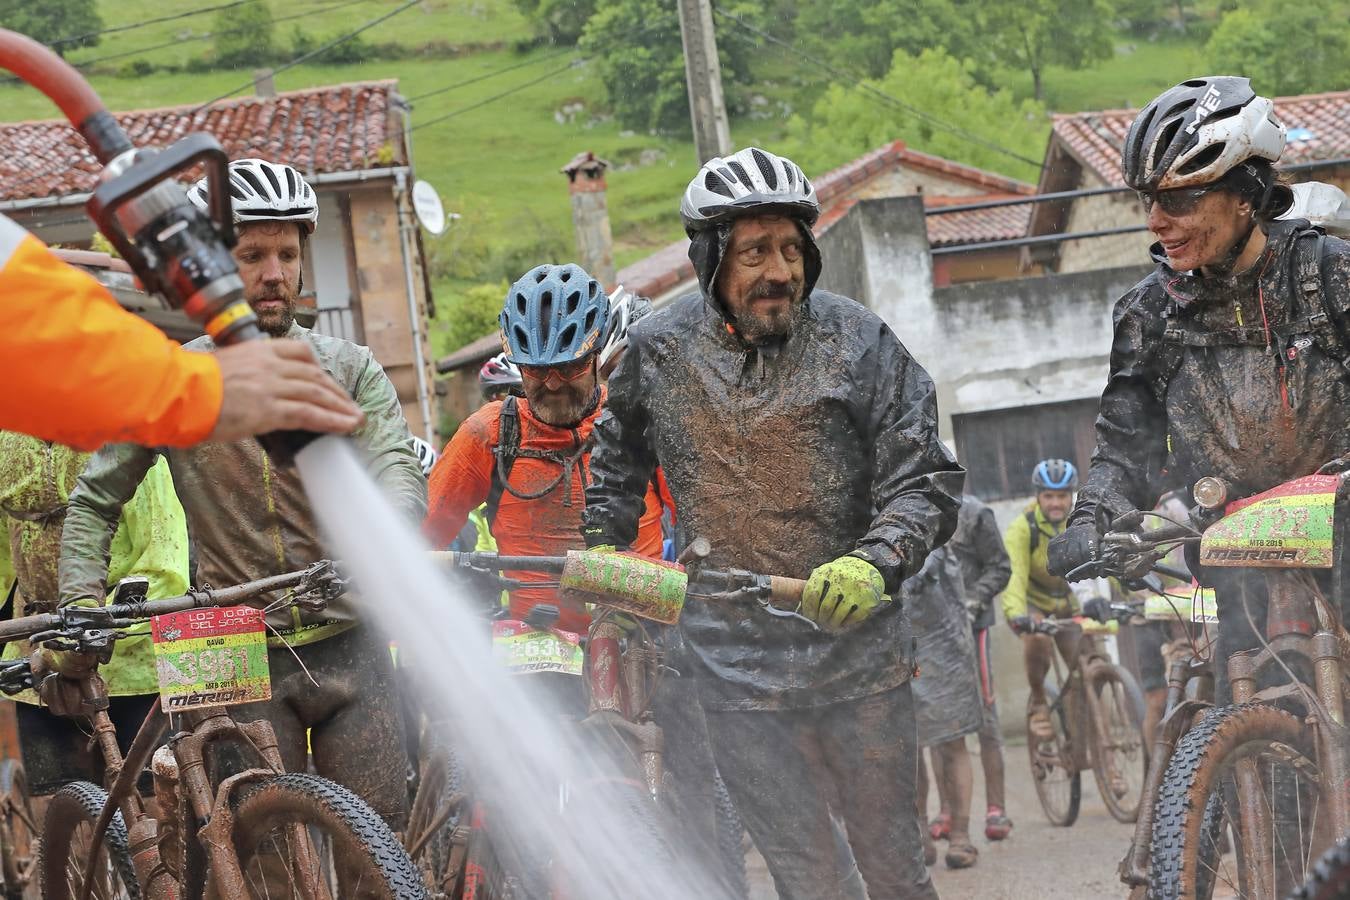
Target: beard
{"points": [[273, 320], [756, 327], [563, 407]]}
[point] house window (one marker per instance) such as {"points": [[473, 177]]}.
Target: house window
{"points": [[1000, 448]]}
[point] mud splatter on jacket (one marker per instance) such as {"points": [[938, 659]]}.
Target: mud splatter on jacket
{"points": [[1197, 388], [947, 702], [247, 518], [784, 457], [985, 567]]}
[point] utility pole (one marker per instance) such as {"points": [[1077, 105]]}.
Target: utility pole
{"points": [[712, 134]]}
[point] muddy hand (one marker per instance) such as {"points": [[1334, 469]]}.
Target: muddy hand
{"points": [[843, 592], [277, 385], [1336, 466]]}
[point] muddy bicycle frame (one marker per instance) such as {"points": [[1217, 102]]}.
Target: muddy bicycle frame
{"points": [[1299, 624], [224, 876]]}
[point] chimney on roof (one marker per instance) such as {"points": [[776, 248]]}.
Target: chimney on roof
{"points": [[590, 216], [263, 85]]}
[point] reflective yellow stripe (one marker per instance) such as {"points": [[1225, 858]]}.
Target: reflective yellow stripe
{"points": [[227, 317]]}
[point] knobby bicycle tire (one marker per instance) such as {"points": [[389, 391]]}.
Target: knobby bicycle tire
{"points": [[1131, 759], [1191, 810], [18, 834], [366, 859], [1330, 878], [730, 845], [1061, 814], [69, 824]]}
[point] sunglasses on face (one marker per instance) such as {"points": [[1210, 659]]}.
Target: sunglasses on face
{"points": [[566, 371], [1176, 202]]}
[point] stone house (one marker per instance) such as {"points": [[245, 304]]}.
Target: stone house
{"points": [[1084, 154], [365, 276]]}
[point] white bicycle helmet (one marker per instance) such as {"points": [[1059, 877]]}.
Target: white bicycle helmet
{"points": [[1324, 205], [1199, 131], [262, 191], [426, 454], [625, 308], [749, 179]]}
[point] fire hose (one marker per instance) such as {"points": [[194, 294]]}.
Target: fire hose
{"points": [[175, 249]]}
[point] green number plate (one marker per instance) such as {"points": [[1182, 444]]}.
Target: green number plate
{"points": [[1289, 526], [211, 657], [522, 649]]}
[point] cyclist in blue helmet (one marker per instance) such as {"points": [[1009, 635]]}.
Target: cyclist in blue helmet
{"points": [[1032, 592]]}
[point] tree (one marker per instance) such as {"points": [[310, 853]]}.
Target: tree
{"points": [[1033, 34], [637, 51], [863, 35], [558, 21], [50, 21], [472, 313], [848, 121], [244, 35], [1285, 48]]}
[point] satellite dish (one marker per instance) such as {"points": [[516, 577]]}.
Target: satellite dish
{"points": [[427, 205]]}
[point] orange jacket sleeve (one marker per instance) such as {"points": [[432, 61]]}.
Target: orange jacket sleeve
{"points": [[84, 372], [461, 478]]}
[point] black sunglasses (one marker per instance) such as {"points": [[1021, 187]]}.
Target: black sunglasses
{"points": [[1176, 202]]}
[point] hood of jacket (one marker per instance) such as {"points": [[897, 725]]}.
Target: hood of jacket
{"points": [[708, 248]]}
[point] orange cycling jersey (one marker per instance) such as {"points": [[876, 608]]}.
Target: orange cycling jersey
{"points": [[82, 371], [462, 480]]}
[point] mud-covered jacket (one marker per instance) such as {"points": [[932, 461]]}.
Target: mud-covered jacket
{"points": [[1235, 377], [247, 518], [151, 541], [784, 458], [985, 568], [947, 702]]}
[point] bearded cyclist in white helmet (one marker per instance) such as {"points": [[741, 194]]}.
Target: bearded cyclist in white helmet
{"points": [[249, 518]]}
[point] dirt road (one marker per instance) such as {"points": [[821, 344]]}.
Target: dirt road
{"points": [[1037, 861]]}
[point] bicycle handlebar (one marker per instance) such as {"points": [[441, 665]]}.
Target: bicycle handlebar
{"points": [[321, 576]]}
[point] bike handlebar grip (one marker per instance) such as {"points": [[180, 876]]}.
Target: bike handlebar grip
{"points": [[1171, 572], [787, 590]]}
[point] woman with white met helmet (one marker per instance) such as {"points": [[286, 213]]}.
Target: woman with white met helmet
{"points": [[1232, 358]]}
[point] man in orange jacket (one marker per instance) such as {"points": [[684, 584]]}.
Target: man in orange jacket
{"points": [[529, 458], [82, 371]]}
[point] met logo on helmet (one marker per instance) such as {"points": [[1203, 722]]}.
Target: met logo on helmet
{"points": [[1205, 108]]}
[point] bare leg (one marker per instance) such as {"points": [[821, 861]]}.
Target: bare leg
{"points": [[956, 766]]}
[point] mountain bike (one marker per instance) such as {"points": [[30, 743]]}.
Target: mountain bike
{"points": [[261, 832], [1097, 714], [1255, 791], [622, 661], [18, 834]]}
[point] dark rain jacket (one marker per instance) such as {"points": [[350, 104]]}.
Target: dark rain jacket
{"points": [[978, 545], [1197, 389], [947, 701], [784, 457], [247, 518]]}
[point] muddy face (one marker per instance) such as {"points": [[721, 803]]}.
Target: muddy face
{"points": [[268, 256], [1055, 505], [1204, 234], [560, 395], [761, 277]]}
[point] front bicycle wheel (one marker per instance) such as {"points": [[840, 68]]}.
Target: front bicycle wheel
{"points": [[1250, 770], [18, 834], [302, 836], [1119, 761], [1059, 785], [67, 833]]}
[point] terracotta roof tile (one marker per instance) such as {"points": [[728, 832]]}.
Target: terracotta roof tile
{"points": [[1319, 126], [336, 128], [976, 226]]}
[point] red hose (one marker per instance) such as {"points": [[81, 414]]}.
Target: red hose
{"points": [[51, 74]]}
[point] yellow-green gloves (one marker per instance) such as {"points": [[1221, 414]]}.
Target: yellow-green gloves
{"points": [[843, 592]]}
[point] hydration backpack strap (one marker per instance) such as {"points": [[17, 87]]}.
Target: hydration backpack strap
{"points": [[1309, 262], [503, 455]]}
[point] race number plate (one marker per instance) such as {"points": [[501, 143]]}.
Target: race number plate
{"points": [[1184, 602], [211, 657], [1290, 526], [523, 649]]}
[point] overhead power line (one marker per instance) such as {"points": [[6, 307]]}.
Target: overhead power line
{"points": [[888, 99], [493, 74], [201, 10], [319, 51], [495, 97]]}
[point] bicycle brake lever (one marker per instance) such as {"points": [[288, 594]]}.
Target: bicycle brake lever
{"points": [[779, 613]]}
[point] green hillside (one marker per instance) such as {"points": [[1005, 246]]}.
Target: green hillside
{"points": [[496, 164]]}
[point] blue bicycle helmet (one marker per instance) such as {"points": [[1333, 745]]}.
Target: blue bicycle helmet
{"points": [[1054, 475], [553, 315]]}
